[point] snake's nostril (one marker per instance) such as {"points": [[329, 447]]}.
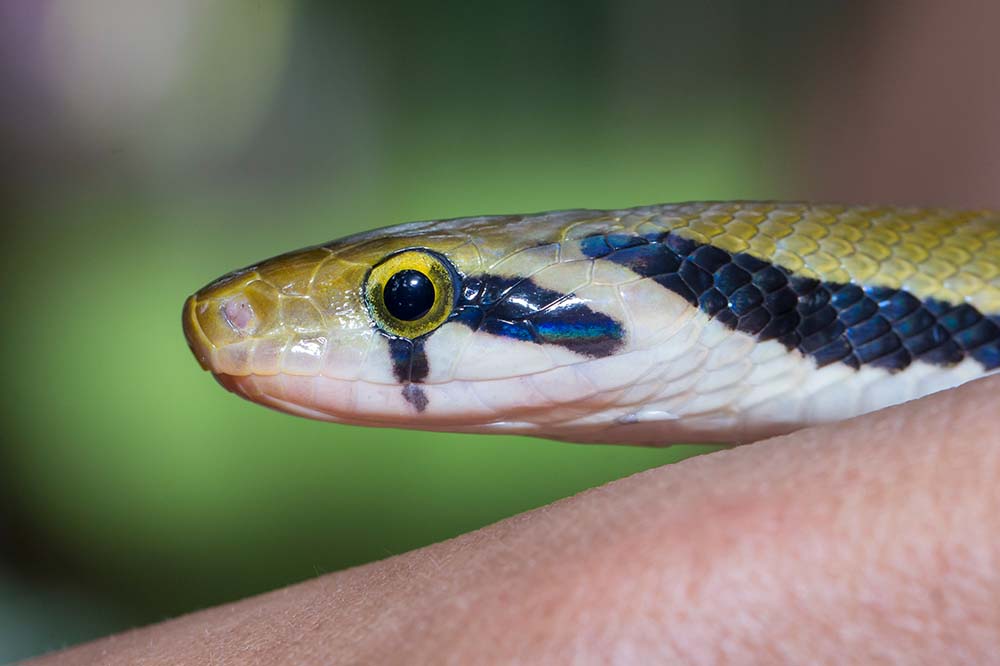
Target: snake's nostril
{"points": [[239, 314]]}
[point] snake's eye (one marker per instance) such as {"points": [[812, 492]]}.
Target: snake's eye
{"points": [[410, 293]]}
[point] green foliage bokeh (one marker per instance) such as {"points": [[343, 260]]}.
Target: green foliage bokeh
{"points": [[140, 485]]}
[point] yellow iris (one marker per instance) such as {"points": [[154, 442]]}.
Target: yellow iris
{"points": [[423, 273]]}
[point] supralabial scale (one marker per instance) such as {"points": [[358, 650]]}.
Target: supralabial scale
{"points": [[693, 322]]}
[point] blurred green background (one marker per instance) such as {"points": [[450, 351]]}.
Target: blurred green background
{"points": [[147, 147]]}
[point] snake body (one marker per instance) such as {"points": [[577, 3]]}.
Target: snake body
{"points": [[719, 322]]}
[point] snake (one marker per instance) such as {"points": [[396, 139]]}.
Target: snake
{"points": [[715, 322]]}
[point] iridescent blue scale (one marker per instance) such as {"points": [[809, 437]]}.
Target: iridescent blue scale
{"points": [[519, 309]]}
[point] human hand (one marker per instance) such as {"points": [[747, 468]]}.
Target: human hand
{"points": [[869, 541]]}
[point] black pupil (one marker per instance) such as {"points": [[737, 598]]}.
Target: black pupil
{"points": [[408, 295]]}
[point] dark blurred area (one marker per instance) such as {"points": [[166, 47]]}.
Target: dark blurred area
{"points": [[147, 147]]}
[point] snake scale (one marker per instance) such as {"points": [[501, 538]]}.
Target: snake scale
{"points": [[692, 322]]}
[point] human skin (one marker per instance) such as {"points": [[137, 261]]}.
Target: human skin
{"points": [[871, 541]]}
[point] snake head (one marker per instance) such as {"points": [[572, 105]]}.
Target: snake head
{"points": [[441, 325]]}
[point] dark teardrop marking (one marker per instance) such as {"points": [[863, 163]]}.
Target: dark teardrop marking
{"points": [[415, 396], [827, 321], [408, 295], [409, 366], [409, 361]]}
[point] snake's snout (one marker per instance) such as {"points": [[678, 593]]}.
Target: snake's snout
{"points": [[296, 314], [222, 321]]}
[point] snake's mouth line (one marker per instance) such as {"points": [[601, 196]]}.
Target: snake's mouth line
{"points": [[539, 421], [452, 406]]}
